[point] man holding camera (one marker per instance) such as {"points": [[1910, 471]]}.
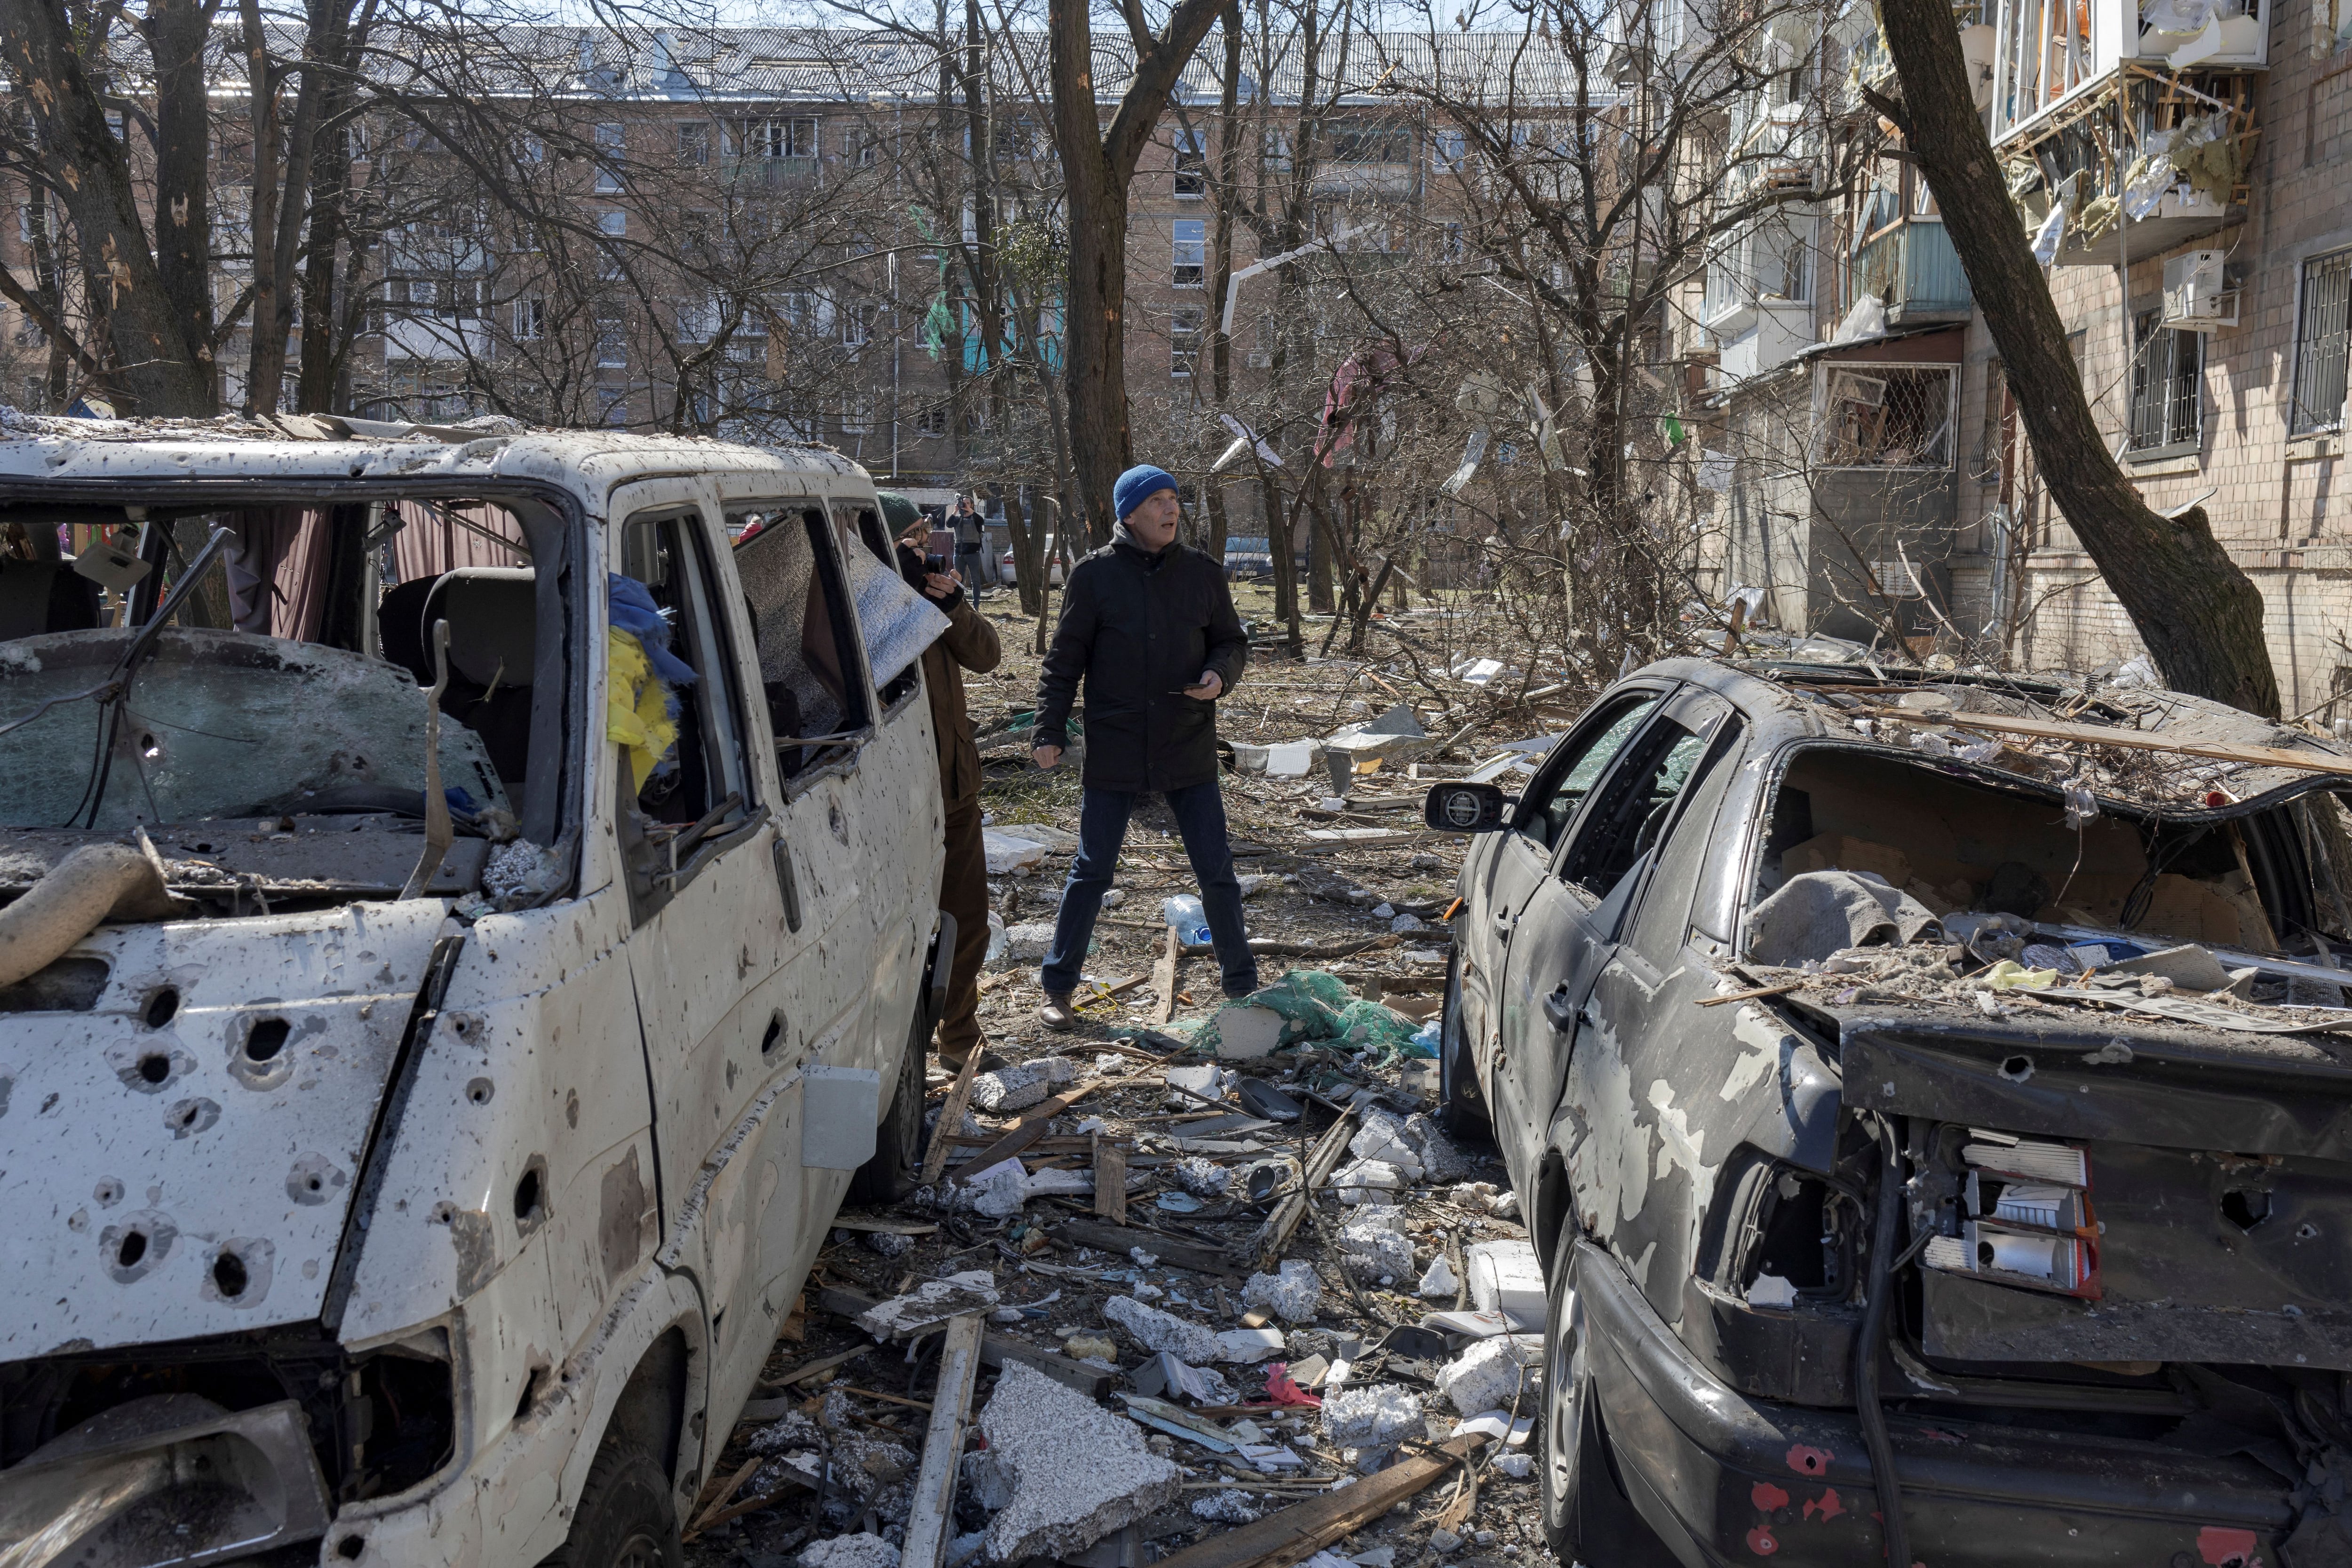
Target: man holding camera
{"points": [[969, 643], [1150, 627]]}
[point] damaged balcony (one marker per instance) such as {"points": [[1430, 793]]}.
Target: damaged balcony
{"points": [[2137, 119]]}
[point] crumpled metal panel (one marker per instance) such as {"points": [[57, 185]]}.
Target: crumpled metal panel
{"points": [[217, 724], [199, 1139]]}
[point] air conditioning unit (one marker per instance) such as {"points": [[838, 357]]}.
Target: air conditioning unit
{"points": [[2194, 298]]}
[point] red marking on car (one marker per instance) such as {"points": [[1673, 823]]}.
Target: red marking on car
{"points": [[1808, 1462], [2225, 1547], [1768, 1497], [1828, 1503], [1760, 1541]]}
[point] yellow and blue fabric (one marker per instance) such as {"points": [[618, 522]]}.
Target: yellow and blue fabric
{"points": [[641, 707]]}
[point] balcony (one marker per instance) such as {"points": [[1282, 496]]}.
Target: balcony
{"points": [[768, 172], [1915, 269], [2051, 57]]}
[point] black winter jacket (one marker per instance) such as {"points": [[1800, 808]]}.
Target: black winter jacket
{"points": [[1137, 628]]}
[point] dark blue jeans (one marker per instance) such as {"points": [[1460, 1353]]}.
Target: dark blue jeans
{"points": [[1200, 813]]}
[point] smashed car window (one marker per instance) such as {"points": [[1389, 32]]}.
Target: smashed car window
{"points": [[1628, 819], [785, 552], [1664, 919], [283, 680], [689, 762], [1550, 806]]}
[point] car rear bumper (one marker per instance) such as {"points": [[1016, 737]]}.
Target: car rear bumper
{"points": [[1727, 1479]]}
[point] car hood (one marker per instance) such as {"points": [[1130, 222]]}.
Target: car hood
{"points": [[178, 1156]]}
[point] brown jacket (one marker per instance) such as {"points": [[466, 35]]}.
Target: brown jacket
{"points": [[969, 643]]}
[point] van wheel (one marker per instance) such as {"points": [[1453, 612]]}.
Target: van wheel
{"points": [[1585, 1508], [625, 1519], [1461, 1110], [897, 1162]]}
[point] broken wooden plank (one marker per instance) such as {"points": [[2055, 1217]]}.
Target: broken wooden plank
{"points": [[931, 1516], [2127, 739], [1321, 1161], [1753, 992], [712, 1509], [807, 1370], [1163, 978], [1299, 1531], [1033, 1126], [1110, 1180], [1116, 1239], [951, 1114]]}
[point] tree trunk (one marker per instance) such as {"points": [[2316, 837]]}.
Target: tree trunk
{"points": [[158, 308], [329, 190], [1097, 167], [2199, 614], [1221, 256]]}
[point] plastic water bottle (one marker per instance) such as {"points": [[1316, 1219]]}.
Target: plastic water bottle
{"points": [[997, 940], [1184, 912]]}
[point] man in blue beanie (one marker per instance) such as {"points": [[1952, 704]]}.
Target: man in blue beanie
{"points": [[1150, 627]]}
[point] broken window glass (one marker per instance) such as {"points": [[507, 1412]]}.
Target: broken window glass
{"points": [[1551, 803], [786, 553]]}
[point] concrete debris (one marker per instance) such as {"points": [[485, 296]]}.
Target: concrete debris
{"points": [[966, 1549], [1377, 1415], [1438, 1282], [1382, 1139], [1369, 1182], [1068, 1471], [1165, 1376], [1208, 1081], [974, 1290], [1445, 1540], [1019, 1088], [1092, 1347], [1475, 1197], [1486, 1376], [1201, 1177], [1246, 1033], [997, 1192], [1027, 943], [1294, 1294], [851, 1552], [796, 1430], [1374, 1254], [1505, 1277], [1008, 852], [1224, 1507], [1515, 1466], [1158, 1330], [1439, 1160]]}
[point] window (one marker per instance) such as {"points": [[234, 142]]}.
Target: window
{"points": [[612, 140], [528, 149], [1371, 144], [931, 424], [801, 312], [1551, 804], [1184, 339], [857, 324], [1188, 257], [693, 142], [862, 146], [1274, 151], [698, 320], [790, 560], [669, 553], [1893, 416], [1627, 821], [530, 318], [1191, 164], [1664, 919], [2167, 385], [856, 413], [1451, 247], [613, 225], [613, 405], [780, 138], [1448, 151], [612, 343], [2319, 343]]}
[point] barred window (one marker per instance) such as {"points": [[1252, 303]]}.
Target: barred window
{"points": [[2319, 343], [1893, 416], [2167, 388]]}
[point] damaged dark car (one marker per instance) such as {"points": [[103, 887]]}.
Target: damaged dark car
{"points": [[1932, 1096]]}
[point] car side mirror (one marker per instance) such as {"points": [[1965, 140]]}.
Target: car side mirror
{"points": [[1463, 807]]}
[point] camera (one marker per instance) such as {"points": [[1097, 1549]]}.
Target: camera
{"points": [[935, 564]]}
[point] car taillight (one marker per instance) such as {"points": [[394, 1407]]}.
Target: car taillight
{"points": [[2026, 1216]]}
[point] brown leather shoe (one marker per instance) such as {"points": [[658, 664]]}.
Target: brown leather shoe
{"points": [[1058, 1014], [953, 1060]]}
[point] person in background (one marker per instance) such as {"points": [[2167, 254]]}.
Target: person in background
{"points": [[971, 536], [969, 643], [1148, 626]]}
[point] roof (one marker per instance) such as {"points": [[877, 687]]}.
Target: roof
{"points": [[868, 66]]}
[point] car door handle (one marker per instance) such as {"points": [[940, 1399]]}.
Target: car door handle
{"points": [[1503, 924], [1559, 1008]]}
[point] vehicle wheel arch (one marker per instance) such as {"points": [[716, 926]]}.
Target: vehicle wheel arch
{"points": [[662, 1400], [1553, 1207]]}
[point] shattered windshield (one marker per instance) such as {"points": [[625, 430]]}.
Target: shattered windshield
{"points": [[252, 687]]}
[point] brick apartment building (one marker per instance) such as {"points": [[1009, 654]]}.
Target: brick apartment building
{"points": [[752, 233]]}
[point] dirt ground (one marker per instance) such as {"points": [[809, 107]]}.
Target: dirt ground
{"points": [[1337, 904]]}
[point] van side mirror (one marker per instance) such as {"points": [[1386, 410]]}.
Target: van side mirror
{"points": [[1463, 807]]}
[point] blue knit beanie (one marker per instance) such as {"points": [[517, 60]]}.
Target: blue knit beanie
{"points": [[1139, 485]]}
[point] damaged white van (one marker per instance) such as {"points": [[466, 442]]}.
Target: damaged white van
{"points": [[464, 925]]}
